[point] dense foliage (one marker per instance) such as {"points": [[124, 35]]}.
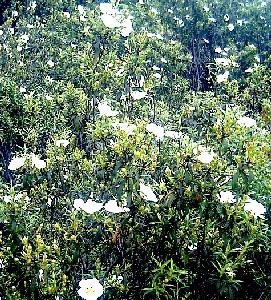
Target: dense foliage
{"points": [[135, 149]]}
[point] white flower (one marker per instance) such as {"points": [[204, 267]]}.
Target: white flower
{"points": [[64, 143], [128, 128], [141, 81], [157, 130], [154, 10], [49, 79], [41, 274], [159, 36], [38, 163], [239, 22], [222, 77], [257, 58], [90, 206], [49, 98], [213, 20], [24, 38], [81, 9], [193, 247], [226, 18], [256, 208], [218, 50], [19, 48], [22, 89], [7, 199], [105, 110], [222, 61], [112, 206], [226, 197], [12, 30], [205, 157], [78, 203], [16, 163], [110, 21], [83, 18], [147, 193], [247, 122], [49, 201], [2, 263], [249, 70], [140, 2], [32, 4], [50, 63], [230, 27], [127, 27], [173, 134], [206, 41], [1, 32], [90, 289], [137, 95], [107, 8], [14, 14], [157, 75], [155, 68], [163, 60], [67, 14]]}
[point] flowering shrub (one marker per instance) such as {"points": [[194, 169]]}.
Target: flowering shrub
{"points": [[132, 167]]}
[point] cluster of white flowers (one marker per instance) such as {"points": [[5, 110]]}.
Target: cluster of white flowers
{"points": [[18, 162], [91, 206], [112, 18]]}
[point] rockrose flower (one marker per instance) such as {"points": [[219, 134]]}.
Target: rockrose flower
{"points": [[16, 163], [256, 208], [38, 163], [147, 193], [247, 122], [222, 77], [137, 95], [157, 130], [112, 206], [226, 197], [64, 143], [205, 157], [90, 289], [109, 21], [105, 110]]}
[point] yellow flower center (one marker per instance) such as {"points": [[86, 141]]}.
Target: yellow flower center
{"points": [[90, 290]]}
